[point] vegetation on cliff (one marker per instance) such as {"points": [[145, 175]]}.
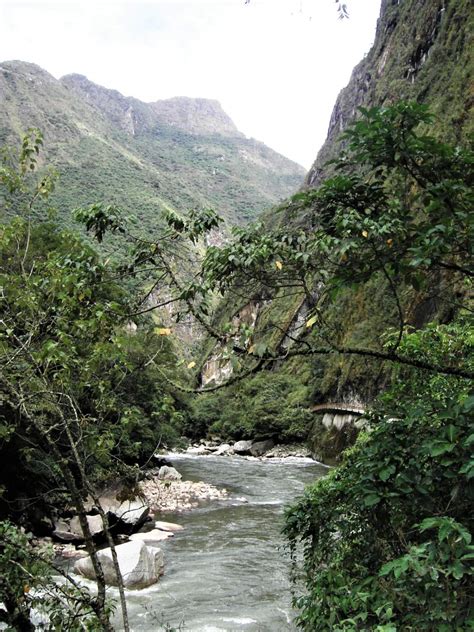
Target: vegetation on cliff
{"points": [[386, 537]]}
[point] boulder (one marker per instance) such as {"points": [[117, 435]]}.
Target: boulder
{"points": [[168, 473], [225, 448], [140, 565], [160, 461], [132, 513], [168, 526], [69, 551], [260, 447], [71, 531], [95, 525], [156, 535], [62, 532], [198, 450], [242, 447]]}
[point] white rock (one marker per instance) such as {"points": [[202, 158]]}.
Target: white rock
{"points": [[168, 473], [151, 536], [242, 446], [131, 512], [95, 524], [168, 526], [225, 448], [198, 450], [71, 531], [140, 565]]}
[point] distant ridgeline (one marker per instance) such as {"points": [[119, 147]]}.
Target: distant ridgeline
{"points": [[177, 154], [422, 52]]}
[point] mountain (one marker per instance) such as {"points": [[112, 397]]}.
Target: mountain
{"points": [[423, 51], [178, 153]]}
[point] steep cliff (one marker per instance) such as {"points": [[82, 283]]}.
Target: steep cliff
{"points": [[422, 52]]}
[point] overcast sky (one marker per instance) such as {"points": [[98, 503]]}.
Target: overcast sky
{"points": [[276, 66]]}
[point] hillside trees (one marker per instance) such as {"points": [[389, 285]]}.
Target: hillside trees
{"points": [[386, 538], [399, 211], [81, 401]]}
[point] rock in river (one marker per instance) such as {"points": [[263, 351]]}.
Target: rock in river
{"points": [[167, 473], [140, 565], [155, 535], [242, 447], [260, 447], [129, 514], [168, 526]]}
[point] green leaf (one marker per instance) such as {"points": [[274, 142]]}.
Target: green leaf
{"points": [[371, 499]]}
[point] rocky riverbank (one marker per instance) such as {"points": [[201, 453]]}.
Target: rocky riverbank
{"points": [[262, 449], [164, 495], [162, 490]]}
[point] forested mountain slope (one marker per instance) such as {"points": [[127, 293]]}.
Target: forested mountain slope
{"points": [[422, 52], [179, 153]]}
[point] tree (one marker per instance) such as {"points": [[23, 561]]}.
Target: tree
{"points": [[382, 531], [71, 378]]}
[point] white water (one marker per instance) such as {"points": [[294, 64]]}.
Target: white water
{"points": [[226, 571]]}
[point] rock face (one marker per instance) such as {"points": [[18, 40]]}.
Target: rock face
{"points": [[195, 116], [140, 565], [218, 367], [422, 51]]}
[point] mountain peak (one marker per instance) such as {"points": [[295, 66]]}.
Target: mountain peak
{"points": [[25, 69], [196, 116]]}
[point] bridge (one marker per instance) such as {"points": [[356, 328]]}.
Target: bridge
{"points": [[345, 409]]}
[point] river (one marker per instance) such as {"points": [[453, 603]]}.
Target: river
{"points": [[226, 570]]}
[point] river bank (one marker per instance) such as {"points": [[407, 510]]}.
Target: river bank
{"points": [[224, 566]]}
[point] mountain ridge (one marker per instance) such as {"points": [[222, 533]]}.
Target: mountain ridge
{"points": [[145, 157]]}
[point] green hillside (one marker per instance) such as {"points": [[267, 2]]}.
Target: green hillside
{"points": [[145, 157]]}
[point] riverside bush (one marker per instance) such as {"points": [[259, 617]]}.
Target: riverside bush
{"points": [[264, 405], [387, 535]]}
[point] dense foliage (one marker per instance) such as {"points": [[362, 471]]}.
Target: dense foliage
{"points": [[83, 400], [387, 535], [32, 593], [262, 406]]}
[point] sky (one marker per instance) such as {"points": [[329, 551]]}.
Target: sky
{"points": [[276, 66]]}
